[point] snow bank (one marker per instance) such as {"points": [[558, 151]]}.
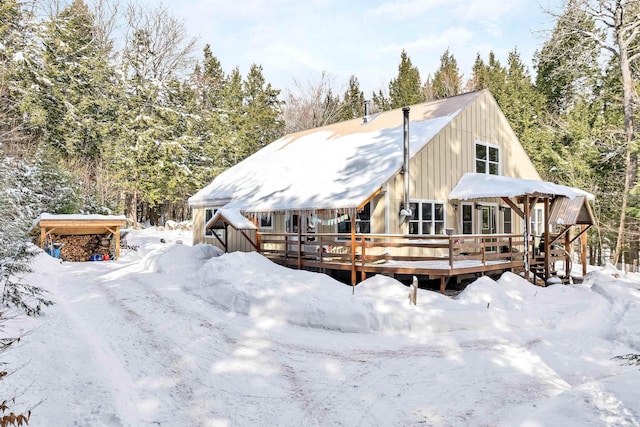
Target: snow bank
{"points": [[249, 284]]}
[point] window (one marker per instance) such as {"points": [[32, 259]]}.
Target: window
{"points": [[208, 214], [266, 221], [427, 218], [363, 221], [487, 159], [507, 227], [291, 223], [467, 219], [537, 222]]}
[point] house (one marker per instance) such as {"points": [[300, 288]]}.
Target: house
{"points": [[383, 177]]}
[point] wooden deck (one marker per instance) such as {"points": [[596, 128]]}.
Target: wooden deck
{"points": [[435, 257]]}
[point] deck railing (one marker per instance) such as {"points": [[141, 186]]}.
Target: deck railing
{"points": [[366, 250]]}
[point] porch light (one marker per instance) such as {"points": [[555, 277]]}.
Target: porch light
{"points": [[478, 207]]}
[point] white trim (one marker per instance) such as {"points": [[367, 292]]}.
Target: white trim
{"points": [[265, 215], [488, 145], [496, 218], [473, 217], [433, 202]]}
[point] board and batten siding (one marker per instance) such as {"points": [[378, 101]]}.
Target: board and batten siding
{"points": [[438, 167], [235, 240]]}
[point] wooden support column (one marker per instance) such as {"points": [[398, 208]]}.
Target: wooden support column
{"points": [[527, 233], [43, 235], [583, 249], [567, 254], [300, 241], [117, 237], [443, 284], [352, 218], [547, 242], [363, 274]]}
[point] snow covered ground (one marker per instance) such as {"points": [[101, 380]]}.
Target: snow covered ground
{"points": [[172, 335]]}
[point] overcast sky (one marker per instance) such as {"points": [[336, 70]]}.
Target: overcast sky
{"points": [[299, 39]]}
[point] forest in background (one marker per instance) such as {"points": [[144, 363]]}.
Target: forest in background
{"points": [[111, 108]]}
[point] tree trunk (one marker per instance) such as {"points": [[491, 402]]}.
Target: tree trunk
{"points": [[630, 156]]}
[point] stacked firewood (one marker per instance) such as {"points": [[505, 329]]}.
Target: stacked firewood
{"points": [[81, 248]]}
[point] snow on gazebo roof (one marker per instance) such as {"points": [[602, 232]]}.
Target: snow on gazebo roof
{"points": [[480, 185], [334, 167]]}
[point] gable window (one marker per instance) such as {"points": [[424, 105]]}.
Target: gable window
{"points": [[507, 224], [467, 218], [487, 159], [266, 221], [208, 214], [427, 217]]}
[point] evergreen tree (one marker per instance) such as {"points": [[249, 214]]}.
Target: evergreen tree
{"points": [[352, 105], [380, 101], [406, 89], [446, 80], [261, 110], [567, 66], [74, 103]]}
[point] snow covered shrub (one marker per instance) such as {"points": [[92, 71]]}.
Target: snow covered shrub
{"points": [[7, 405], [16, 251], [629, 359]]}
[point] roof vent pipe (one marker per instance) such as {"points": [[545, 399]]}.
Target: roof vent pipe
{"points": [[367, 105], [406, 210]]}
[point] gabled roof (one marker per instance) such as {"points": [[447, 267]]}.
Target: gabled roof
{"points": [[333, 167], [232, 217]]}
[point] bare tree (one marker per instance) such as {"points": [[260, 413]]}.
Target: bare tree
{"points": [[311, 105], [168, 49], [617, 33]]}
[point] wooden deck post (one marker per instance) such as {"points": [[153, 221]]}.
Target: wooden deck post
{"points": [[300, 241], [527, 232], [443, 284], [352, 218], [567, 254], [583, 249], [363, 273], [547, 242]]}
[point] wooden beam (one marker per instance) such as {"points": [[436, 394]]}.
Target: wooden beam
{"points": [[563, 233], [583, 230], [513, 207], [370, 198], [250, 241]]}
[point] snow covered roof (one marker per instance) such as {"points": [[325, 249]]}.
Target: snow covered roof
{"points": [[479, 185], [77, 217], [336, 166], [232, 217]]}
